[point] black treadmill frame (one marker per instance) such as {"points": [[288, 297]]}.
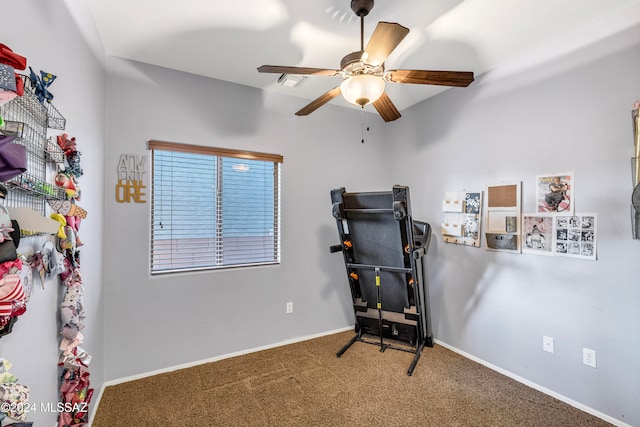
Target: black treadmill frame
{"points": [[403, 313]]}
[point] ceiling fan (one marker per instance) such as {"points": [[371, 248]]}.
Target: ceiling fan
{"points": [[364, 73]]}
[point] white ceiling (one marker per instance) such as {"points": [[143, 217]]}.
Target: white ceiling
{"points": [[228, 40]]}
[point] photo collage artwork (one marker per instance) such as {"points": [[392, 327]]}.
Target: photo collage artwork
{"points": [[462, 217], [553, 230]]}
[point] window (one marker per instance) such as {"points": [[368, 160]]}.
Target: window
{"points": [[213, 208]]}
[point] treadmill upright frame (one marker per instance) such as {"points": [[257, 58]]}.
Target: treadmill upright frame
{"points": [[383, 250]]}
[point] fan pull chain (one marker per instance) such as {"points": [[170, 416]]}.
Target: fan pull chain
{"points": [[362, 124], [362, 129]]}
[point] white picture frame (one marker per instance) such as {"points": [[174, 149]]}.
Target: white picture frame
{"points": [[538, 234], [555, 193], [576, 236], [503, 217]]}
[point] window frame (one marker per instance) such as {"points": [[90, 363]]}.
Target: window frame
{"points": [[219, 153]]}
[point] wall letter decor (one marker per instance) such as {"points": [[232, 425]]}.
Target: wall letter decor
{"points": [[129, 188]]}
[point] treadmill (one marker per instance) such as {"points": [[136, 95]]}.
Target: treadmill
{"points": [[383, 249]]}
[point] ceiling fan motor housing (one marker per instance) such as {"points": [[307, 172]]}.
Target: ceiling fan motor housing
{"points": [[361, 7], [352, 65], [350, 59]]}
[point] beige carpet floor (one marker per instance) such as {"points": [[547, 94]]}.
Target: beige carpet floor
{"points": [[304, 384]]}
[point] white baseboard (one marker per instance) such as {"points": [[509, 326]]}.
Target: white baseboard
{"points": [[538, 387], [201, 362]]}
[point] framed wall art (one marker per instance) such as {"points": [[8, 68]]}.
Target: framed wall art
{"points": [[538, 234], [462, 217], [503, 213], [576, 236], [554, 193]]}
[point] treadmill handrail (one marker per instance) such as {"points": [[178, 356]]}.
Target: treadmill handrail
{"points": [[369, 210], [381, 267]]}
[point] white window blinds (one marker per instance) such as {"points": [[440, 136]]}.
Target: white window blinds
{"points": [[213, 208]]}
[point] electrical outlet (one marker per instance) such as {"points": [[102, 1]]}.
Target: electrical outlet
{"points": [[547, 344], [589, 357], [289, 307]]}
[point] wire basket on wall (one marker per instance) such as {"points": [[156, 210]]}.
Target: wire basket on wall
{"points": [[27, 120]]}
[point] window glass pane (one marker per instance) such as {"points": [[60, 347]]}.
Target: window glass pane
{"points": [[248, 211], [210, 211]]}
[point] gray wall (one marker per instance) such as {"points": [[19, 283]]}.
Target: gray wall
{"points": [[568, 113], [45, 33], [163, 321]]}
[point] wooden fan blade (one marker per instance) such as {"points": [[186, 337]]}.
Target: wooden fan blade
{"points": [[297, 70], [426, 77], [386, 109], [385, 38], [319, 102]]}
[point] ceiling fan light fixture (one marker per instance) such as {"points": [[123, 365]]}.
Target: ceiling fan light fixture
{"points": [[362, 89], [364, 70]]}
